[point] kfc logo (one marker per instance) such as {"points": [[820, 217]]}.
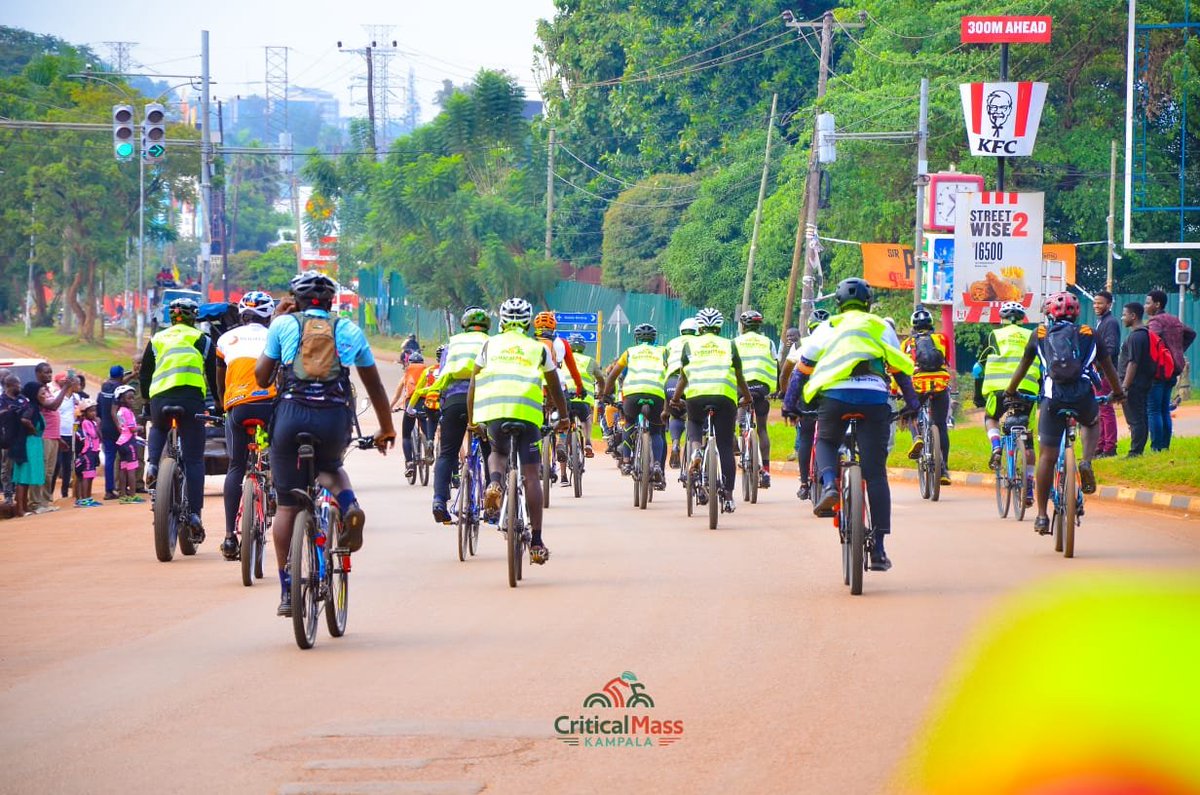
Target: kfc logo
{"points": [[1002, 118]]}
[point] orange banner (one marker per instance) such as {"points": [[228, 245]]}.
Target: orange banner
{"points": [[888, 265], [1063, 252]]}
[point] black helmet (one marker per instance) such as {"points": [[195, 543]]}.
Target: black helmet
{"points": [[817, 317], [183, 310], [313, 286], [922, 319], [645, 333], [577, 342], [416, 357], [751, 319], [476, 317], [853, 291]]}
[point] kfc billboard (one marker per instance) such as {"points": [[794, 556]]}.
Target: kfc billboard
{"points": [[1002, 118]]}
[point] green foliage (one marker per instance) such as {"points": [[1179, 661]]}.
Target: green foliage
{"points": [[270, 271], [638, 227]]}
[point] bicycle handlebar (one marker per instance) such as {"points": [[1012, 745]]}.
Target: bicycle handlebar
{"points": [[211, 418]]}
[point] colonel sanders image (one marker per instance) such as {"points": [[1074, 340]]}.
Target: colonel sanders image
{"points": [[999, 108]]}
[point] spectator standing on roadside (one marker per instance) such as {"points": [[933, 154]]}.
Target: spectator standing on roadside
{"points": [[28, 466], [6, 403], [1108, 334], [49, 402], [64, 465], [141, 410], [1136, 369], [1177, 337], [106, 413]]}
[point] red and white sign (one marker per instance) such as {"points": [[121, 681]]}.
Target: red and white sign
{"points": [[998, 255], [1006, 30], [1002, 118]]}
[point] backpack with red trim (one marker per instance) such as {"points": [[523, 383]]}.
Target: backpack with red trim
{"points": [[1160, 354]]}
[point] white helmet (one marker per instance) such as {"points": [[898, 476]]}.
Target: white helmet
{"points": [[257, 303], [710, 318], [688, 326], [515, 310]]}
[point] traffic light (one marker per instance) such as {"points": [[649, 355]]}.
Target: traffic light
{"points": [[122, 120], [154, 132]]}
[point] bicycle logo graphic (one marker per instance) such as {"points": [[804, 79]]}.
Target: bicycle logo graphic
{"points": [[622, 692]]}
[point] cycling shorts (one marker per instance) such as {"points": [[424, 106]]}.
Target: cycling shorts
{"points": [[1051, 423], [527, 441]]}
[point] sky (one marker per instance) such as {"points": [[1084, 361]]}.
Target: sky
{"points": [[448, 39]]}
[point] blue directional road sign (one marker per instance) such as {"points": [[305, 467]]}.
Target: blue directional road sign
{"points": [[588, 336], [577, 318]]}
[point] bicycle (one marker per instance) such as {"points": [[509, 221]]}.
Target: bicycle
{"points": [[853, 516], [1010, 474], [575, 455], [257, 508], [643, 457], [750, 459], [930, 463], [319, 570], [468, 502], [549, 472], [710, 471], [514, 518], [1065, 491], [168, 499], [420, 460]]}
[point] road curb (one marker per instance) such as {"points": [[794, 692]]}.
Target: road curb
{"points": [[1148, 499]]}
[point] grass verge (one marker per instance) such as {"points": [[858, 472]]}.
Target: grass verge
{"points": [[68, 351]]}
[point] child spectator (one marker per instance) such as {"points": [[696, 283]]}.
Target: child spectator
{"points": [[87, 442], [127, 445]]}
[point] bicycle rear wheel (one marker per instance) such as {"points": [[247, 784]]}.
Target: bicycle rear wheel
{"points": [[936, 463], [423, 462], [166, 518], [712, 474], [923, 472], [246, 526], [1016, 483], [855, 496], [1003, 492], [744, 464], [547, 468], [576, 458], [306, 582], [1070, 502], [512, 532], [689, 483], [337, 602], [755, 468], [644, 464], [462, 507]]}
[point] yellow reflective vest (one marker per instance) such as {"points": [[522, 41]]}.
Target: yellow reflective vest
{"points": [[460, 358], [177, 361], [584, 363], [856, 337], [509, 386], [1005, 350], [758, 361], [644, 371], [709, 369], [675, 353]]}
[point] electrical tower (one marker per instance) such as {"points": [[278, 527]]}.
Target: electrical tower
{"points": [[380, 97], [276, 115], [118, 55], [412, 107]]}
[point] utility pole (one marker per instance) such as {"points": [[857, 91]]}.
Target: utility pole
{"points": [[1112, 208], [1003, 78], [223, 225], [205, 176], [762, 192], [141, 317], [922, 181], [552, 146], [806, 226], [29, 281], [371, 98]]}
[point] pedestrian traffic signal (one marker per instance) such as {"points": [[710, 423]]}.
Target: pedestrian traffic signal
{"points": [[154, 132], [122, 120], [1183, 271]]}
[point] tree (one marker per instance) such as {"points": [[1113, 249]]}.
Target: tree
{"points": [[637, 228]]}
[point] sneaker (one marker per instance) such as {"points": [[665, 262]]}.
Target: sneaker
{"points": [[229, 548], [674, 460], [701, 496], [945, 479], [197, 529], [1087, 478], [440, 514], [150, 477], [492, 497], [791, 456], [918, 447], [539, 554], [560, 454], [827, 505], [352, 527], [879, 560], [110, 495], [658, 479], [564, 481], [455, 481], [135, 499], [410, 469], [694, 464], [727, 503], [588, 452], [1041, 525], [994, 463], [285, 604], [805, 491], [82, 504], [626, 467], [764, 479], [92, 503], [125, 499]]}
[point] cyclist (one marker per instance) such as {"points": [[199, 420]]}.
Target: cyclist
{"points": [[687, 328], [457, 367], [997, 362], [931, 379], [805, 414], [237, 353], [409, 382], [545, 326], [313, 353], [645, 380], [580, 410], [712, 376], [507, 387], [178, 366], [760, 367], [846, 363], [1066, 352], [424, 402]]}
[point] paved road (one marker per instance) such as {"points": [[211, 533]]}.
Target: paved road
{"points": [[121, 674]]}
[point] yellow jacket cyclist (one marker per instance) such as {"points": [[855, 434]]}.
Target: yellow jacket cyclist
{"points": [[846, 363], [644, 366], [760, 366], [578, 408], [687, 328]]}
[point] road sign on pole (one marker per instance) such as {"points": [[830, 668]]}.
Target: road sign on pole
{"points": [[618, 318], [576, 318]]}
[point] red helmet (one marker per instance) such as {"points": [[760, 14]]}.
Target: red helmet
{"points": [[1061, 306]]}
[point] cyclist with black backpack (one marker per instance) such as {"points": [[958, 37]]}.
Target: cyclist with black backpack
{"points": [[931, 380], [1067, 351], [313, 353]]}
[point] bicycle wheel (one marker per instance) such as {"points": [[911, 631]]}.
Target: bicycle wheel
{"points": [[712, 476], [423, 464], [936, 463], [306, 582], [755, 468], [1070, 496], [923, 471], [842, 522], [689, 485], [473, 500], [1056, 521], [1016, 483], [645, 454], [1003, 493], [337, 601], [858, 528], [576, 458], [462, 509], [547, 468], [512, 532], [166, 519], [246, 526], [744, 465]]}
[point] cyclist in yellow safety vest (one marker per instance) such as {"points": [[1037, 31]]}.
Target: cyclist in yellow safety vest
{"points": [[507, 388], [644, 366], [578, 408], [931, 380], [178, 366], [687, 328], [795, 408], [712, 376], [997, 362], [846, 363], [760, 366], [456, 366], [424, 403]]}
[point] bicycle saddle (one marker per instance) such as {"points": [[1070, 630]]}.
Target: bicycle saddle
{"points": [[173, 411], [853, 415], [512, 428], [304, 438]]}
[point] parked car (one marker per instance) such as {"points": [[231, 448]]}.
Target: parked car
{"points": [[21, 368]]}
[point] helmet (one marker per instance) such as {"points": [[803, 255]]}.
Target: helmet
{"points": [[475, 317], [817, 317], [440, 350], [256, 303], [183, 310], [1012, 310], [645, 333], [313, 286], [416, 358], [576, 342], [688, 326], [122, 391], [853, 291], [515, 310], [545, 321], [1061, 306], [751, 318], [922, 319], [710, 318]]}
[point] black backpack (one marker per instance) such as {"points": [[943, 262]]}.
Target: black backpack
{"points": [[10, 423], [1062, 350], [928, 357]]}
